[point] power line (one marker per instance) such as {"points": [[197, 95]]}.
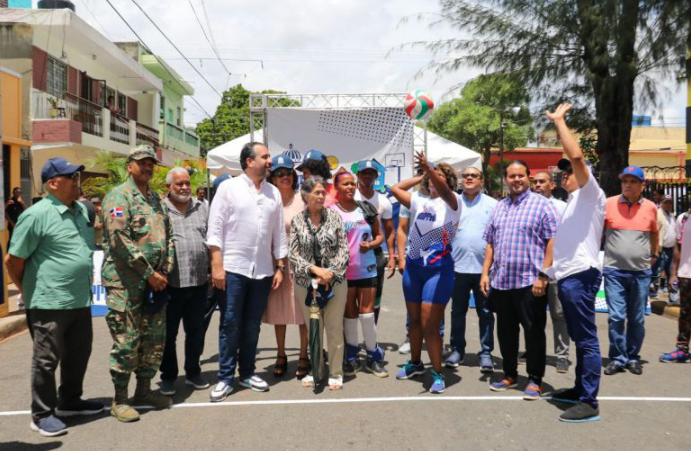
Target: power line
{"points": [[213, 47], [208, 24], [175, 47], [149, 50]]}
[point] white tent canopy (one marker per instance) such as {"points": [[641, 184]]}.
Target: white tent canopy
{"points": [[226, 157]]}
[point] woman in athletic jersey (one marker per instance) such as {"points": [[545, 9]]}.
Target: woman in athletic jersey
{"points": [[364, 234], [429, 271]]}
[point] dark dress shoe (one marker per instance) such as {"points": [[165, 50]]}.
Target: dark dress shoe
{"points": [[634, 368], [613, 368]]}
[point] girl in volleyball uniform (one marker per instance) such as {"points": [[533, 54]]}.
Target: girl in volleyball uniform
{"points": [[429, 273]]}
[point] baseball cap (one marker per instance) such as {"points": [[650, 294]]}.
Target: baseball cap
{"points": [[58, 166], [282, 161], [141, 152], [667, 198], [565, 165], [366, 164], [312, 154], [220, 179], [635, 171]]}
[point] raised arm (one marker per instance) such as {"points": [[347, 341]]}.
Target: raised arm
{"points": [[438, 182], [571, 148], [400, 190]]}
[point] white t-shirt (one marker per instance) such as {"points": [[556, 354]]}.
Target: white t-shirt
{"points": [[432, 231], [685, 257], [579, 232], [380, 202], [560, 205]]}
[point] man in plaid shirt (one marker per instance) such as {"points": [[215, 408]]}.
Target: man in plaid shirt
{"points": [[519, 244]]}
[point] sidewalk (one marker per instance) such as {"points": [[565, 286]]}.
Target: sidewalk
{"points": [[15, 322]]}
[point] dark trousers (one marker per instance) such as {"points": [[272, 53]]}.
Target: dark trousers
{"points": [[577, 294], [515, 308], [463, 285], [186, 305], [242, 305], [60, 337]]}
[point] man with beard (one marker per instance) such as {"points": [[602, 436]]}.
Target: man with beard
{"points": [[246, 229], [138, 241], [519, 244], [187, 283]]}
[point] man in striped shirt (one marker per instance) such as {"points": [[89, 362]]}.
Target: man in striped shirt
{"points": [[519, 244]]}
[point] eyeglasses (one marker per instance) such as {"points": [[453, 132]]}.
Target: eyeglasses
{"points": [[471, 175], [74, 176], [281, 174]]}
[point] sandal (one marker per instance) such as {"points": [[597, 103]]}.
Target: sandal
{"points": [[307, 381], [281, 365], [335, 383], [303, 370]]}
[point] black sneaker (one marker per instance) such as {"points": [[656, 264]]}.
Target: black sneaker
{"points": [[634, 367], [83, 407], [350, 367], [567, 395], [580, 413], [613, 368], [376, 368]]}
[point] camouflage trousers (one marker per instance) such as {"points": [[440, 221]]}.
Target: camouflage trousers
{"points": [[684, 314], [138, 338]]}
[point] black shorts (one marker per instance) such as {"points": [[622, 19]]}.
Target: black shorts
{"points": [[363, 283]]}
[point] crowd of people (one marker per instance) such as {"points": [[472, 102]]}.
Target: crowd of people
{"points": [[267, 246]]}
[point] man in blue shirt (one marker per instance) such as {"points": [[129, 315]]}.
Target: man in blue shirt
{"points": [[469, 254]]}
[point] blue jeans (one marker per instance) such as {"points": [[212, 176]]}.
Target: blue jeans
{"points": [[242, 305], [463, 284], [577, 295], [186, 305], [627, 295]]}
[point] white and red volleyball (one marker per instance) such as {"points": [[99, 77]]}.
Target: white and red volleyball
{"points": [[418, 104]]}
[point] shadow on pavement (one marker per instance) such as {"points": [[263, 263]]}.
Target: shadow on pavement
{"points": [[23, 446]]}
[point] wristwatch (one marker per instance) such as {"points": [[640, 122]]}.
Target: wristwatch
{"points": [[542, 275], [281, 268]]}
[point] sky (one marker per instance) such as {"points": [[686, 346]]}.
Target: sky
{"points": [[301, 46]]}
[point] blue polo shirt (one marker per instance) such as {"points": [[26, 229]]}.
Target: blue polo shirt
{"points": [[469, 246]]}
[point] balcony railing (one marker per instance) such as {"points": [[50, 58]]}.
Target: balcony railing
{"points": [[178, 138], [147, 135], [119, 129], [71, 107]]}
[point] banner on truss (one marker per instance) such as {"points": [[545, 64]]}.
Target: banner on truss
{"points": [[346, 136]]}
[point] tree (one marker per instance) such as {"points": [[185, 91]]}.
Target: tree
{"points": [[474, 120], [593, 53], [231, 119]]}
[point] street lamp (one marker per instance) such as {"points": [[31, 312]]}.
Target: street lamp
{"points": [[502, 126]]}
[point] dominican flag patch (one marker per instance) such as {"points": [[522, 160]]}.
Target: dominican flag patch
{"points": [[116, 212]]}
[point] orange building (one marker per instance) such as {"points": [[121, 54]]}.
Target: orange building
{"points": [[14, 138]]}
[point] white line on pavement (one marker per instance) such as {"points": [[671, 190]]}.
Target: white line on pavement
{"points": [[381, 399]]}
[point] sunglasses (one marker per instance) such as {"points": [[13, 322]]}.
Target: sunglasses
{"points": [[470, 176], [281, 174], [74, 176]]}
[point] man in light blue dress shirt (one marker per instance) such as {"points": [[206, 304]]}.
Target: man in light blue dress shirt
{"points": [[468, 251]]}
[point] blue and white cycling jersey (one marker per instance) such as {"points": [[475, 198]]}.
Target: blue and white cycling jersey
{"points": [[432, 231]]}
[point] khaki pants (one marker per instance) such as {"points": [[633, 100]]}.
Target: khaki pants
{"points": [[332, 322]]}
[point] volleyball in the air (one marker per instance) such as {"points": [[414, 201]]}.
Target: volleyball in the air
{"points": [[418, 104]]}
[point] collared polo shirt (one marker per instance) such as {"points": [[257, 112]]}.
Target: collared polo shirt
{"points": [[627, 233], [247, 225], [57, 243], [469, 245], [519, 231], [191, 266]]}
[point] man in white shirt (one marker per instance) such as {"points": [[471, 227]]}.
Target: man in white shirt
{"points": [[544, 184], [668, 238], [681, 273], [367, 174], [246, 230], [577, 270]]}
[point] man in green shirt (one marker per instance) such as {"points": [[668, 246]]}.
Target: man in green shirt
{"points": [[50, 261]]}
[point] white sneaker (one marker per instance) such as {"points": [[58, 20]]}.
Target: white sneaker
{"points": [[404, 348], [255, 383], [220, 392]]}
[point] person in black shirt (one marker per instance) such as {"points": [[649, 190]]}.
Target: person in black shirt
{"points": [[14, 207]]}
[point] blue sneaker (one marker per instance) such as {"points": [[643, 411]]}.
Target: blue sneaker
{"points": [[439, 384], [504, 384], [411, 370], [454, 360], [532, 391], [677, 356], [486, 364], [49, 426]]}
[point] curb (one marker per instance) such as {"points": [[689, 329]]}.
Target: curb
{"points": [[11, 326]]}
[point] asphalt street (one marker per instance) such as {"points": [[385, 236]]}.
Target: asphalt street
{"points": [[651, 411]]}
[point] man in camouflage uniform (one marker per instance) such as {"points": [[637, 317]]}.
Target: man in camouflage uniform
{"points": [[138, 239]]}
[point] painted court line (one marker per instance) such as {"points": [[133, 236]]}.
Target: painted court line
{"points": [[279, 402]]}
